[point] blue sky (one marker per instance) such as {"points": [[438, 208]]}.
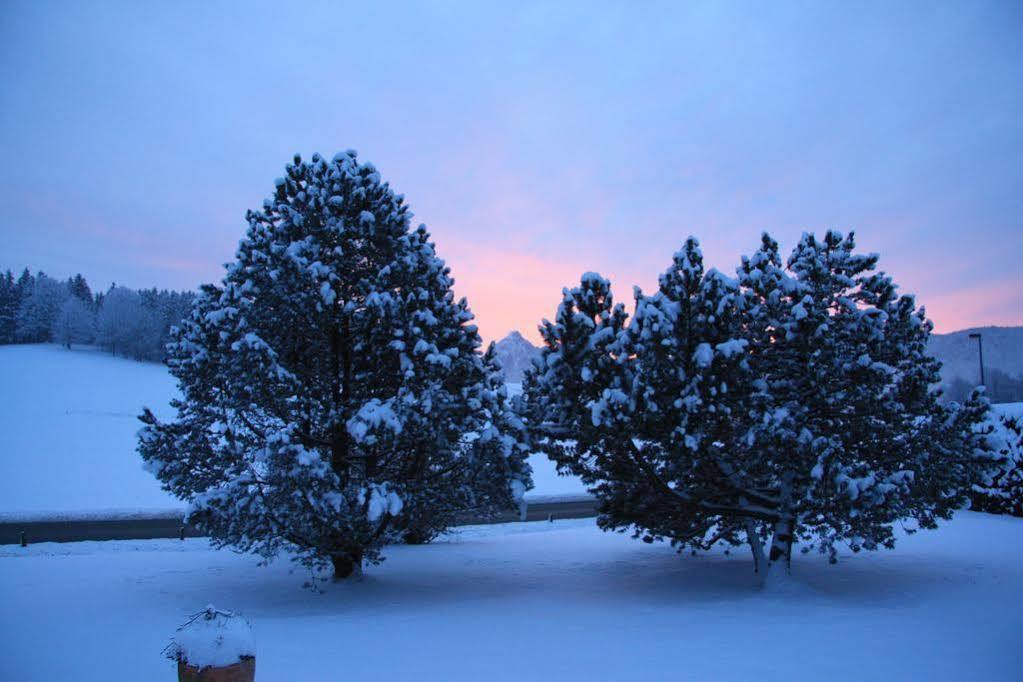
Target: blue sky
{"points": [[536, 140]]}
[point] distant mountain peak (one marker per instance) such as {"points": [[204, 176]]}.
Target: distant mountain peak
{"points": [[515, 354]]}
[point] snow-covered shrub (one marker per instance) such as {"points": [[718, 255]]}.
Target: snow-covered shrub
{"points": [[334, 392], [795, 402], [1002, 491]]}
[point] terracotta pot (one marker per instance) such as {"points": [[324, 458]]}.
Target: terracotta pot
{"points": [[242, 671]]}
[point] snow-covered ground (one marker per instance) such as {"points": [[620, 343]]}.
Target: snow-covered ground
{"points": [[67, 432], [1010, 409], [67, 429], [538, 601]]}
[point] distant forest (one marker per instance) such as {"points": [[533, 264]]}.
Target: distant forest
{"points": [[1000, 387], [134, 323]]}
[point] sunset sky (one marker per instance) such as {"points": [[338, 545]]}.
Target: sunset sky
{"points": [[536, 141]]}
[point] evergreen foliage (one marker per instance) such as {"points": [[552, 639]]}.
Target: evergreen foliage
{"points": [[795, 402], [135, 323], [334, 395], [79, 288], [10, 302], [42, 299], [1001, 492]]}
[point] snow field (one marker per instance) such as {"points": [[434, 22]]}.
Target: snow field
{"points": [[68, 421], [67, 430], [537, 601]]}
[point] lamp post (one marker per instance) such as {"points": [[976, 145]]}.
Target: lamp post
{"points": [[980, 350]]}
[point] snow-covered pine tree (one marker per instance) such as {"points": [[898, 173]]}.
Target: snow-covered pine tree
{"points": [[79, 288], [1000, 491], [25, 282], [574, 370], [332, 385], [690, 390], [152, 326], [492, 477], [75, 322], [40, 306], [795, 403], [10, 301], [119, 322], [650, 414], [848, 427]]}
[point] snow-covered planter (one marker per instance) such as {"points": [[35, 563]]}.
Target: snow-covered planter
{"points": [[214, 646]]}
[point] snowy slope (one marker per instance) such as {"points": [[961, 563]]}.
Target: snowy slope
{"points": [[1003, 349], [537, 601], [67, 429], [67, 432]]}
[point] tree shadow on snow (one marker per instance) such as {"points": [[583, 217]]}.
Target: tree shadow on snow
{"points": [[440, 575]]}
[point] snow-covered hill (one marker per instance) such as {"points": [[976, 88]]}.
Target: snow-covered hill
{"points": [[515, 354], [67, 429], [1003, 350], [68, 425]]}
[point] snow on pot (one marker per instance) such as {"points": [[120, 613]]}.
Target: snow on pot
{"points": [[214, 646]]}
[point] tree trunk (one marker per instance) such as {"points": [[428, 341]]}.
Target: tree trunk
{"points": [[346, 565], [779, 560], [781, 544], [756, 546]]}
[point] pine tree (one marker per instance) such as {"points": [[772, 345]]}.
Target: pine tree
{"points": [[561, 387], [796, 403], [119, 322], [332, 386], [79, 288], [41, 303], [25, 283], [1000, 491], [10, 301], [653, 432], [849, 412], [492, 478]]}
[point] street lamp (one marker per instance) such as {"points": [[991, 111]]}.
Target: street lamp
{"points": [[980, 349]]}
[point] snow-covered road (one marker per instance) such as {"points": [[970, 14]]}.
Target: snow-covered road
{"points": [[537, 601]]}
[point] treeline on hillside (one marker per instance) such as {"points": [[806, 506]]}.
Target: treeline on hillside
{"points": [[134, 323], [999, 387]]}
